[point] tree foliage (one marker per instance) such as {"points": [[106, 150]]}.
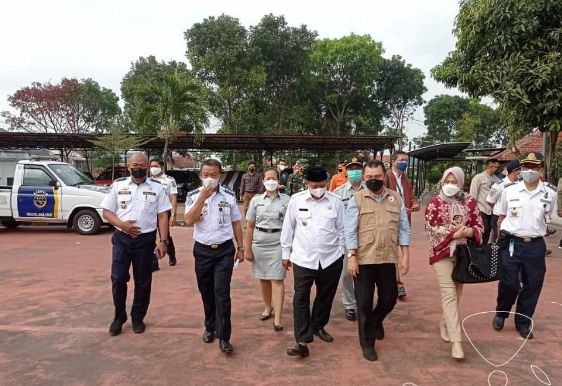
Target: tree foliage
{"points": [[454, 118], [71, 106], [510, 50]]}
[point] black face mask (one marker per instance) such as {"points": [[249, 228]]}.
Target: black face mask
{"points": [[138, 172], [251, 170], [374, 185], [340, 170]]}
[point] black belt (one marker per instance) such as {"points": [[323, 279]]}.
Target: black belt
{"points": [[526, 239], [215, 246], [123, 234], [268, 230]]}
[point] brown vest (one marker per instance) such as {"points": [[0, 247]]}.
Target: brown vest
{"points": [[377, 231]]}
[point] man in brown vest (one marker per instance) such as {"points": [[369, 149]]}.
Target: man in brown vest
{"points": [[376, 222]]}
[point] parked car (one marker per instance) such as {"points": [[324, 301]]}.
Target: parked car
{"points": [[187, 181], [49, 192]]}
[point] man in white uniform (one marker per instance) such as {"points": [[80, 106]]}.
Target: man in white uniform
{"points": [[526, 209], [135, 206], [214, 213], [312, 242], [169, 184]]}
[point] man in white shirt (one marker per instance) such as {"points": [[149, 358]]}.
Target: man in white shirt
{"points": [[312, 242], [479, 188], [169, 184], [135, 206], [213, 211], [494, 197]]}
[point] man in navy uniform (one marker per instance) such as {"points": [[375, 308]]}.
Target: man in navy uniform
{"points": [[214, 213], [526, 209], [135, 206]]}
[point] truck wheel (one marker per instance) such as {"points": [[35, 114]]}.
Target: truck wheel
{"points": [[10, 224], [87, 222]]}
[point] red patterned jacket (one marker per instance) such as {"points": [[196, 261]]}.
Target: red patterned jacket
{"points": [[438, 225]]}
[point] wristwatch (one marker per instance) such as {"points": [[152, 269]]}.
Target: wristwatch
{"points": [[350, 255], [164, 241], [173, 215]]}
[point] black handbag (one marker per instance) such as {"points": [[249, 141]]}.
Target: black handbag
{"points": [[477, 264]]}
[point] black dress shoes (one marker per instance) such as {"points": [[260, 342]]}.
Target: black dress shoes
{"points": [[497, 323], [300, 350], [350, 314], [138, 326], [208, 336], [379, 332], [323, 334], [370, 354], [526, 332], [116, 326], [226, 347]]}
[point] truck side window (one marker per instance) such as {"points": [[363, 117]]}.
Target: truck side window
{"points": [[35, 177]]}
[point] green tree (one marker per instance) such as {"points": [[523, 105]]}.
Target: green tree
{"points": [[511, 50], [117, 140], [442, 114], [481, 125], [283, 53], [344, 73], [144, 72], [400, 89], [175, 104]]}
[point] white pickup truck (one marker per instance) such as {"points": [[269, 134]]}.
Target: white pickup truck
{"points": [[49, 192]]}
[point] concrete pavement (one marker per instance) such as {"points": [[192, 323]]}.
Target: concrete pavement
{"points": [[55, 308]]}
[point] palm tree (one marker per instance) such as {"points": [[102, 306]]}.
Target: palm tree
{"points": [[175, 104]]}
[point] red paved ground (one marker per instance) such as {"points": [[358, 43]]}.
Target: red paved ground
{"points": [[55, 307]]}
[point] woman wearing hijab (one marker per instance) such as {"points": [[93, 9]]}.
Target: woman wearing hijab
{"points": [[451, 218], [263, 247]]}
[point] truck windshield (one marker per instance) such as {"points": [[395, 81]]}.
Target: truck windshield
{"points": [[70, 175]]}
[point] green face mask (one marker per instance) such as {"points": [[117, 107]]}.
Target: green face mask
{"points": [[354, 175]]}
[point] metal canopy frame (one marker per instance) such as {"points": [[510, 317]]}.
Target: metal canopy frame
{"points": [[212, 142]]}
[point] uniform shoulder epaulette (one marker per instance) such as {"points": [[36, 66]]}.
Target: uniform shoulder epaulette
{"points": [[227, 190], [551, 186], [120, 179], [300, 193], [153, 180], [193, 192], [283, 195], [510, 184]]}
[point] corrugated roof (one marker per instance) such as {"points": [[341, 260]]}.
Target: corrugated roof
{"points": [[529, 143]]}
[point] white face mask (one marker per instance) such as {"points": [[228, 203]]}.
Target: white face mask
{"points": [[450, 189], [270, 185], [530, 176], [318, 192], [155, 171], [210, 181]]}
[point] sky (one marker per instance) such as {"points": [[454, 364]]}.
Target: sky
{"points": [[46, 40]]}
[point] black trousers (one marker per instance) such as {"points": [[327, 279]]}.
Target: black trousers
{"points": [[529, 260], [213, 268], [487, 223], [138, 252], [326, 280], [383, 277]]}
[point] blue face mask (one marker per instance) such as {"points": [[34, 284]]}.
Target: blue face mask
{"points": [[402, 166], [354, 175]]}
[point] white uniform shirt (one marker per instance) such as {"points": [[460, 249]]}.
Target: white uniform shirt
{"points": [[494, 197], [527, 213], [346, 191], [313, 231], [169, 183], [141, 203], [219, 212]]}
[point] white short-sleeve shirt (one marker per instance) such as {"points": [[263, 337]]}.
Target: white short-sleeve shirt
{"points": [[169, 183], [527, 214], [140, 202], [219, 212]]}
